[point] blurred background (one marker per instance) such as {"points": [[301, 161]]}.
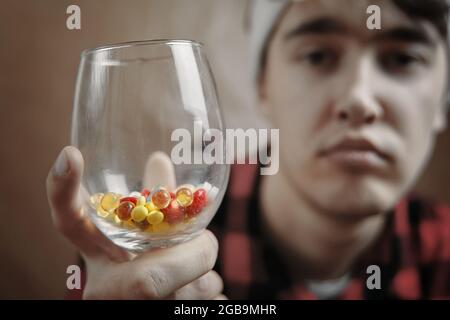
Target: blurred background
{"points": [[39, 58]]}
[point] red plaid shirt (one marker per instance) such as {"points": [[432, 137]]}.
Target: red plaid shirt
{"points": [[413, 252]]}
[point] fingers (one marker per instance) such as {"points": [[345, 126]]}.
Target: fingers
{"points": [[208, 286], [159, 170], [63, 181], [158, 274], [65, 199], [164, 271]]}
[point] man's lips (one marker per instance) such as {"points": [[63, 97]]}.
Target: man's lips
{"points": [[356, 153]]}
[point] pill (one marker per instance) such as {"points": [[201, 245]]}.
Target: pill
{"points": [[110, 201], [150, 206], [145, 192], [155, 217], [141, 201], [161, 198], [198, 203], [184, 196], [130, 199], [173, 213], [139, 213], [102, 212], [95, 200], [124, 210]]}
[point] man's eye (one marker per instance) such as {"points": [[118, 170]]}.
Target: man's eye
{"points": [[320, 58], [398, 61]]}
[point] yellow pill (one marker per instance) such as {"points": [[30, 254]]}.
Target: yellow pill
{"points": [[112, 217], [110, 201], [101, 212], [117, 219], [155, 217], [184, 196], [139, 213], [141, 201], [150, 206], [161, 227], [95, 199]]}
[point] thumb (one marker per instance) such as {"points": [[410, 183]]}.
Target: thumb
{"points": [[65, 197], [63, 181], [159, 170]]}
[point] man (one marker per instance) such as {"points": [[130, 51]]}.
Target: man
{"points": [[358, 112]]}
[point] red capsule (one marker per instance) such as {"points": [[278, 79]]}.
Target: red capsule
{"points": [[145, 192], [198, 203], [200, 198], [192, 211], [129, 199], [173, 213]]}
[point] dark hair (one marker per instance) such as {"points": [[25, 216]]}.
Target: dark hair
{"points": [[433, 11]]}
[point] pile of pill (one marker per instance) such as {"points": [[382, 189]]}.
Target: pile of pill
{"points": [[158, 210]]}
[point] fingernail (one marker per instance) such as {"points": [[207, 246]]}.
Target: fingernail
{"points": [[61, 166]]}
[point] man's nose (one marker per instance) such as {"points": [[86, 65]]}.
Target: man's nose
{"points": [[358, 104]]}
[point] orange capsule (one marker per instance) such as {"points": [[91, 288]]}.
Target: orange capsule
{"points": [[184, 196], [123, 211], [161, 198]]}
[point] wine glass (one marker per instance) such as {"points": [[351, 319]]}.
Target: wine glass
{"points": [[134, 102]]}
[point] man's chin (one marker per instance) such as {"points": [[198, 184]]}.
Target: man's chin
{"points": [[356, 209], [354, 201]]}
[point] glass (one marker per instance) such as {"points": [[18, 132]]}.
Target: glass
{"points": [[130, 99]]}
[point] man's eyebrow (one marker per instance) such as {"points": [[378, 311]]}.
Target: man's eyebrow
{"points": [[317, 26], [406, 34]]}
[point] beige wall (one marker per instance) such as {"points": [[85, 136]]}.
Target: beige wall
{"points": [[38, 63]]}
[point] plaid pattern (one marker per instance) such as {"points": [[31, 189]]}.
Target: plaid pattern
{"points": [[413, 251]]}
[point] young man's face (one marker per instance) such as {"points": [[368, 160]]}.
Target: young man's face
{"points": [[357, 109]]}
